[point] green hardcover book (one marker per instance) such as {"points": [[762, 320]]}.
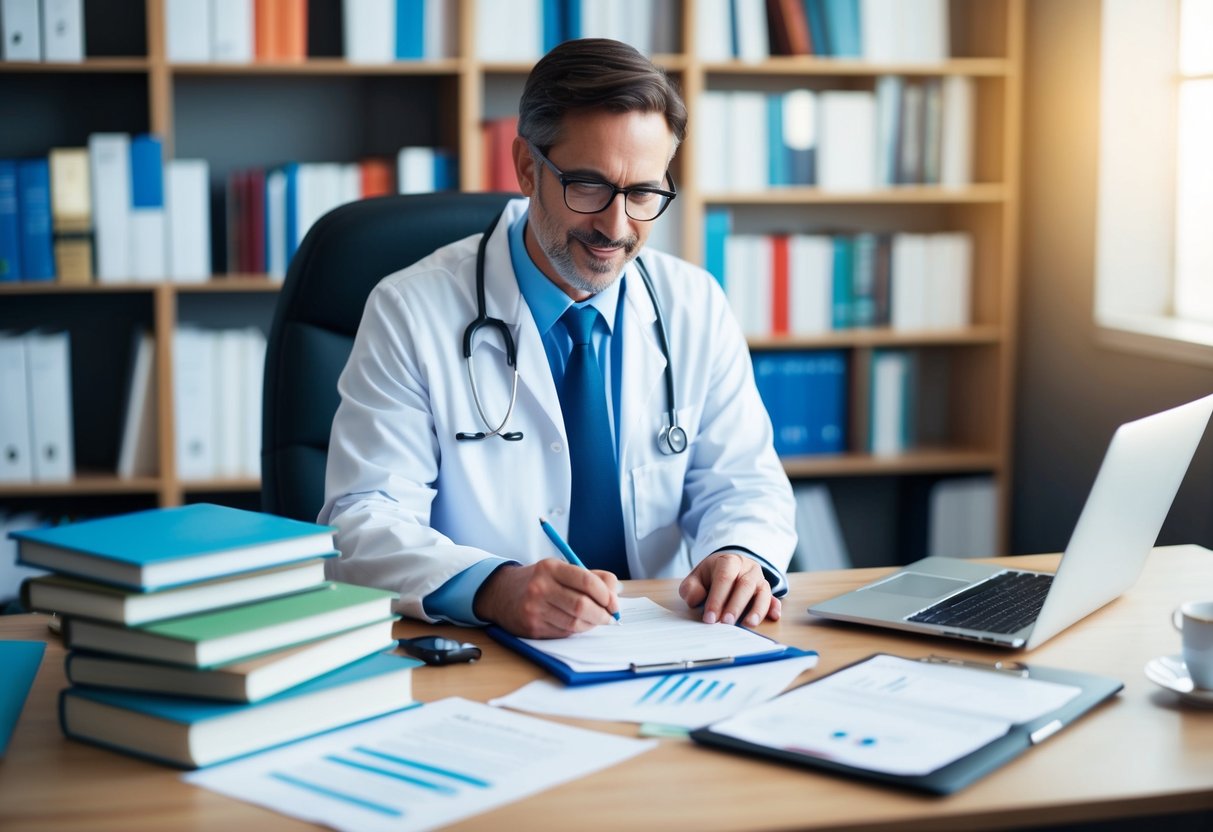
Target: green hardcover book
{"points": [[227, 635]]}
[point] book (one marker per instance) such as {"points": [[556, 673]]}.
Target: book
{"points": [[103, 602], [34, 205], [148, 237], [193, 733], [846, 147], [110, 171], [71, 215], [22, 30], [63, 30], [164, 547], [194, 403], [232, 31], [187, 30], [10, 223], [369, 31], [21, 660], [248, 680], [137, 453], [49, 380], [946, 722], [16, 464], [188, 220], [219, 636]]}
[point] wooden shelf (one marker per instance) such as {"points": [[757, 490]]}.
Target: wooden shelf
{"points": [[797, 66], [92, 65], [83, 485], [907, 195], [221, 283], [922, 461], [881, 337], [319, 67]]}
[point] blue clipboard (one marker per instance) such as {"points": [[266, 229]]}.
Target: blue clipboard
{"points": [[574, 677]]}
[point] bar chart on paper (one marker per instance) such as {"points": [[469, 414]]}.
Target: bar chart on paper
{"points": [[686, 700], [418, 769]]}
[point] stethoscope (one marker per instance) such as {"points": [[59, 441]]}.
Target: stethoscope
{"points": [[671, 438]]}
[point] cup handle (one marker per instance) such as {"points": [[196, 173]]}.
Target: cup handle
{"points": [[1177, 619]]}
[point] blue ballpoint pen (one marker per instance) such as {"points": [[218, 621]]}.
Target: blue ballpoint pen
{"points": [[565, 549]]}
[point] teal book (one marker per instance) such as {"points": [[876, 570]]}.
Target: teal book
{"points": [[20, 660], [192, 733], [211, 638], [166, 547]]}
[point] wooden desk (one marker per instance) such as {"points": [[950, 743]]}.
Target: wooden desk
{"points": [[1140, 754]]}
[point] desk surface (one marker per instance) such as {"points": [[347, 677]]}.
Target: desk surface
{"points": [[1141, 753]]}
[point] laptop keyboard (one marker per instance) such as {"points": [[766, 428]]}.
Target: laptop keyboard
{"points": [[1002, 604]]}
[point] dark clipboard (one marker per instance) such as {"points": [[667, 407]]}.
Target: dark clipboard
{"points": [[573, 677], [973, 766]]}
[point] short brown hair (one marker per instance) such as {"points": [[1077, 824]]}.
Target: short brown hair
{"points": [[595, 73]]}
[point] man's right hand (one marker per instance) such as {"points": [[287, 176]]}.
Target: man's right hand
{"points": [[548, 599]]}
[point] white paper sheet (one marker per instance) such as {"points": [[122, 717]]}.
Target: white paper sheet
{"points": [[687, 700], [418, 769], [651, 634], [896, 715]]}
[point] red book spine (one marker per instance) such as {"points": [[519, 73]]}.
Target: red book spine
{"points": [[779, 285]]}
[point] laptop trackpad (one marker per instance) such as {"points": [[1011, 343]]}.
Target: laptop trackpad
{"points": [[919, 585]]}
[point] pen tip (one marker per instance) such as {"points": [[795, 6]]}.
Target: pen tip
{"points": [[542, 519]]}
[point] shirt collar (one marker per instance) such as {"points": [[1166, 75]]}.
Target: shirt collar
{"points": [[546, 300]]}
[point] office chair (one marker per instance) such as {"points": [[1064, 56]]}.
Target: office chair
{"points": [[340, 260]]}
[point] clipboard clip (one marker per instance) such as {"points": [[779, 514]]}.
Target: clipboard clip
{"points": [[1013, 668], [684, 664]]}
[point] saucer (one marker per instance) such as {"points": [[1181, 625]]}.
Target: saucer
{"points": [[1170, 673]]}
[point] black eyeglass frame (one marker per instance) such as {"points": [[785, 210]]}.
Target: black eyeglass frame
{"points": [[568, 179]]}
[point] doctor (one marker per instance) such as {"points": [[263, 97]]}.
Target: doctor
{"points": [[654, 460]]}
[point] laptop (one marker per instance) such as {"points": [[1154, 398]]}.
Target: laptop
{"points": [[1133, 491]]}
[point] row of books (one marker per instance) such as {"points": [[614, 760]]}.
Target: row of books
{"points": [[202, 633], [42, 30], [113, 211], [246, 31], [908, 398], [805, 394], [270, 210], [36, 441], [905, 132], [535, 26], [808, 284], [885, 31], [217, 380]]}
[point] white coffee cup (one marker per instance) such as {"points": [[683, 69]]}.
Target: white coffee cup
{"points": [[1195, 620]]}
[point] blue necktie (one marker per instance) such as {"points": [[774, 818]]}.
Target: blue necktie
{"points": [[595, 518]]}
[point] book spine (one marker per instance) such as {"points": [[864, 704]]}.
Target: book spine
{"points": [[10, 223], [34, 201]]}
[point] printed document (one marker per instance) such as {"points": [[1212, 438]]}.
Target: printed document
{"points": [[651, 635], [685, 700], [418, 769], [896, 715]]}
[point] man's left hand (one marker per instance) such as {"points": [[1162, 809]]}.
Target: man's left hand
{"points": [[730, 585]]}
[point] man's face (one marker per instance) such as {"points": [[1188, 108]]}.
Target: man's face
{"points": [[585, 253]]}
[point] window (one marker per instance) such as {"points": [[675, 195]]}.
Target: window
{"points": [[1154, 261]]}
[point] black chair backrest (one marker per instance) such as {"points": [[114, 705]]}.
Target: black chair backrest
{"points": [[343, 256]]}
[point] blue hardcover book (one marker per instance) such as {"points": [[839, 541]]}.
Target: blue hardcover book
{"points": [[410, 29], [843, 281], [717, 225], [165, 547], [10, 223], [294, 234], [147, 171], [822, 376], [192, 733], [446, 171], [863, 280], [34, 207], [815, 11], [768, 378], [555, 22], [842, 21], [20, 660]]}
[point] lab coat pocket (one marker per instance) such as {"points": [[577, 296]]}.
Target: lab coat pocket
{"points": [[657, 494]]}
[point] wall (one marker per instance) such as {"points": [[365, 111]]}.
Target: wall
{"points": [[1071, 393]]}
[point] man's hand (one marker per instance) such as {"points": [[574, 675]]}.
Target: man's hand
{"points": [[548, 599], [730, 582]]}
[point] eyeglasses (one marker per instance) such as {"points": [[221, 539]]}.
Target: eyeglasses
{"points": [[588, 195]]}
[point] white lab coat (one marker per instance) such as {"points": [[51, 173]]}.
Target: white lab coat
{"points": [[414, 507]]}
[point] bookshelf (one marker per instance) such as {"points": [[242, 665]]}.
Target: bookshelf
{"points": [[324, 108]]}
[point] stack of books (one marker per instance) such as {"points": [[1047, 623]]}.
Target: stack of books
{"points": [[203, 633]]}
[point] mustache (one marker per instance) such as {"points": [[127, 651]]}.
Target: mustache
{"points": [[599, 240]]}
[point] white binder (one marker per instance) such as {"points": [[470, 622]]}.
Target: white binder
{"points": [[15, 463], [48, 380]]}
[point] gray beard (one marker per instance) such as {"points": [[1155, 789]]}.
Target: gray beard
{"points": [[561, 258]]}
